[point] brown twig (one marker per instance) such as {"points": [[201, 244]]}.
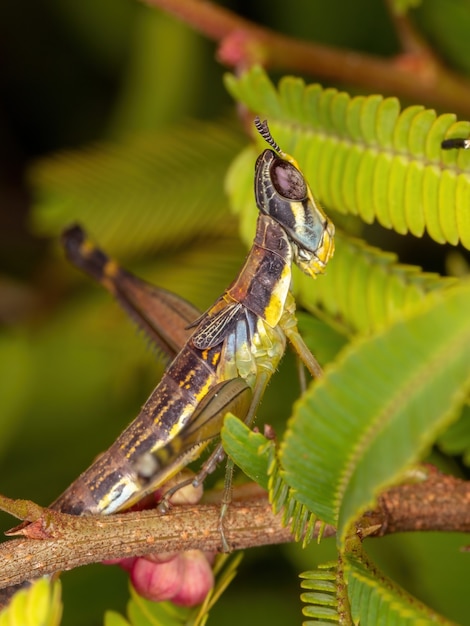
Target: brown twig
{"points": [[410, 40], [78, 541], [243, 43], [439, 503]]}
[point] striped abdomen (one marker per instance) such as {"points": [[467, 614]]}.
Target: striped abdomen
{"points": [[120, 475]]}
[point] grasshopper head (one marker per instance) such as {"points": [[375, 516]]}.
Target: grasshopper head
{"points": [[282, 192]]}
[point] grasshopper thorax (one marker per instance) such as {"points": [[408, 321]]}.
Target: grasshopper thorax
{"points": [[283, 194]]}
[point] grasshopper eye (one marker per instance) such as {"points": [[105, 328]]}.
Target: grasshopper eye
{"points": [[288, 181], [282, 193]]}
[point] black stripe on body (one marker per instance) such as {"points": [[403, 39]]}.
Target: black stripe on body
{"points": [[182, 384], [83, 254], [85, 493], [187, 380], [269, 259], [189, 374], [259, 294]]}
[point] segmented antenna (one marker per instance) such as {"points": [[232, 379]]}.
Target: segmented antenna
{"points": [[457, 142], [263, 129]]}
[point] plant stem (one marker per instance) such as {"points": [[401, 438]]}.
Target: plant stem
{"points": [[243, 43], [439, 503]]}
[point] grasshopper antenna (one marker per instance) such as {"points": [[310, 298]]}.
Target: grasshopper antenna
{"points": [[457, 142], [263, 129]]}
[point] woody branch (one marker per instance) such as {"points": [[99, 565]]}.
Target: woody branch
{"points": [[416, 74], [440, 503]]}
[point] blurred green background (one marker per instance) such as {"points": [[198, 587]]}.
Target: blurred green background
{"points": [[73, 371]]}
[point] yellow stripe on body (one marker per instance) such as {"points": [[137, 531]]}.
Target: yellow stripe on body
{"points": [[186, 382], [275, 306], [111, 269], [87, 248]]}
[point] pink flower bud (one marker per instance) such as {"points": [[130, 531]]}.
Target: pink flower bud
{"points": [[157, 581], [198, 579], [184, 579]]}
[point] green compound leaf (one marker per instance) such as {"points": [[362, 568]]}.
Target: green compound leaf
{"points": [[378, 409], [325, 595], [256, 456], [372, 597], [248, 449], [364, 288], [38, 605], [130, 196], [376, 599], [363, 156]]}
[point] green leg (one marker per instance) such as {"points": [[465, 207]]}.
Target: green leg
{"points": [[302, 350]]}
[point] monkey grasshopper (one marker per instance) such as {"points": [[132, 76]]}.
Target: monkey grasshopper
{"points": [[230, 356], [229, 353]]}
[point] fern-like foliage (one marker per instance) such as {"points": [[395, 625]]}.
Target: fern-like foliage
{"points": [[364, 156], [366, 287], [299, 517], [321, 595], [354, 591], [256, 456], [384, 400], [144, 194], [378, 409], [375, 599], [388, 396]]}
